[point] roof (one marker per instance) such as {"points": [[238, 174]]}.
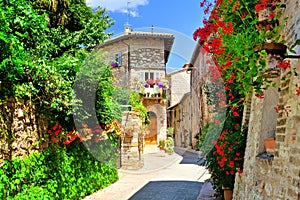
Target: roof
{"points": [[176, 72]]}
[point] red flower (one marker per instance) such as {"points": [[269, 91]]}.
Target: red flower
{"points": [[272, 15], [232, 172], [57, 132], [277, 108], [260, 96], [71, 137], [244, 15], [284, 64], [298, 91], [234, 112], [231, 164], [240, 171], [231, 78], [260, 6]]}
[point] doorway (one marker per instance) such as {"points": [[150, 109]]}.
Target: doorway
{"points": [[151, 137]]}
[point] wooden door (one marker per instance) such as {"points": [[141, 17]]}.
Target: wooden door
{"points": [[151, 137]]}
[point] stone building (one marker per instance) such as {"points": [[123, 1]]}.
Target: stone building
{"points": [[178, 106], [136, 57], [179, 119], [179, 82], [188, 108], [274, 173]]}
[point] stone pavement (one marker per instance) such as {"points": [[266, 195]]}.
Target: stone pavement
{"points": [[163, 177]]}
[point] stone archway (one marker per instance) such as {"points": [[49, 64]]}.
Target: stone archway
{"points": [[151, 137]]}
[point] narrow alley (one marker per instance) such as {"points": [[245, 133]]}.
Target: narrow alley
{"points": [[164, 177]]}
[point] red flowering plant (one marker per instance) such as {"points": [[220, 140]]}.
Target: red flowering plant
{"points": [[231, 36], [227, 155], [150, 82], [58, 134]]}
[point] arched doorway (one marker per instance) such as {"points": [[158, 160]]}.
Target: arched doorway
{"points": [[151, 137]]}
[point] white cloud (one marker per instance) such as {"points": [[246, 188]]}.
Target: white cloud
{"points": [[118, 5]]}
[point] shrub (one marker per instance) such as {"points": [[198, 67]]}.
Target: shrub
{"points": [[162, 144], [67, 172], [170, 146]]}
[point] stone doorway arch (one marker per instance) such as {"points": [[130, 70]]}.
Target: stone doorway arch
{"points": [[151, 137]]}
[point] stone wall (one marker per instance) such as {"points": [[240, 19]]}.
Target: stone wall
{"points": [[175, 121], [20, 129], [185, 125], [132, 142], [179, 85], [199, 108], [275, 175], [158, 106]]}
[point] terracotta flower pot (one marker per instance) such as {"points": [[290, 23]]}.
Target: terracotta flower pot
{"points": [[228, 193], [270, 145]]}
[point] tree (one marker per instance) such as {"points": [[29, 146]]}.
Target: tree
{"points": [[43, 44]]}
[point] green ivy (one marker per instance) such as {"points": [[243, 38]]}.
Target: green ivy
{"points": [[136, 102]]}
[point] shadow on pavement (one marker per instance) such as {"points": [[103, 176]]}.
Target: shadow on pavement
{"points": [[168, 190], [189, 157]]}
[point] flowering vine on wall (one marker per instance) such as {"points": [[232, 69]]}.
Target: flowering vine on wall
{"points": [[236, 35]]}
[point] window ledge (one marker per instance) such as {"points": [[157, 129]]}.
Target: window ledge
{"points": [[265, 156]]}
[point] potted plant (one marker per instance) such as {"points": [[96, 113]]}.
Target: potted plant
{"points": [[161, 144]]}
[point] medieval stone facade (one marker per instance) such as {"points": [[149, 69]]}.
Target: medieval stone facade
{"points": [[275, 174], [188, 107], [136, 57]]}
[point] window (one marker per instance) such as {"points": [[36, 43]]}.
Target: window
{"points": [[146, 75], [117, 59]]}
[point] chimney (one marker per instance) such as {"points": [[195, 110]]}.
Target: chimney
{"points": [[127, 30]]}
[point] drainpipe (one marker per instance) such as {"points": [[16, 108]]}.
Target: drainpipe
{"points": [[127, 72]]}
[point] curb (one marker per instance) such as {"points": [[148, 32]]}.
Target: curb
{"points": [[176, 160]]}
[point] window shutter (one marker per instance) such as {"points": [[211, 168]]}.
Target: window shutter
{"points": [[142, 76], [120, 58], [157, 75]]}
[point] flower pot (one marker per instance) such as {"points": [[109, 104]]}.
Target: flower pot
{"points": [[270, 145], [272, 48], [228, 193]]}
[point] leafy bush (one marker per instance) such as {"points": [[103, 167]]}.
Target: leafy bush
{"points": [[67, 172], [162, 144], [170, 146], [137, 105]]}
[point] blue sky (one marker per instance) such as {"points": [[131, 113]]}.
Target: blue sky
{"points": [[178, 17]]}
